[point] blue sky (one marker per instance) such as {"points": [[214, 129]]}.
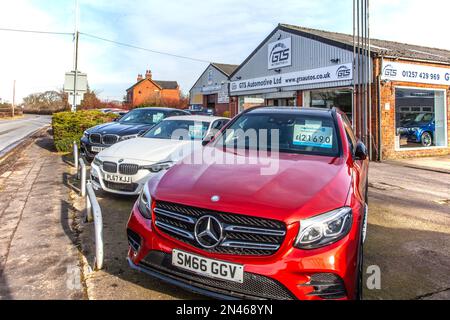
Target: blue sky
{"points": [[224, 31]]}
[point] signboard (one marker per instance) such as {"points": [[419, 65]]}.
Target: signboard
{"points": [[279, 54], [222, 96], [405, 72], [81, 82], [211, 88], [343, 72], [210, 76]]}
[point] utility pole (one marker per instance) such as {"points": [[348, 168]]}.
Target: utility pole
{"points": [[14, 98], [75, 62]]}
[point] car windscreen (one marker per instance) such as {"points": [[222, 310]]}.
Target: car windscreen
{"points": [[179, 130], [143, 116], [289, 133]]}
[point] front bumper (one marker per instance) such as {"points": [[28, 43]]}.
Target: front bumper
{"points": [[284, 275], [86, 148], [135, 188]]}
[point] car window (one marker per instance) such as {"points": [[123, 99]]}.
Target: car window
{"points": [[178, 129], [143, 116], [218, 124], [292, 133]]}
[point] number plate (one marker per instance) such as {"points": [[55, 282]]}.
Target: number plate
{"points": [[208, 267], [97, 149], [117, 178]]}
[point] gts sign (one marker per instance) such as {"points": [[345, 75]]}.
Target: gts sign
{"points": [[390, 71], [279, 54], [343, 72]]}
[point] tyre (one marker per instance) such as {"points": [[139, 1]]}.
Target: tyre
{"points": [[426, 139]]}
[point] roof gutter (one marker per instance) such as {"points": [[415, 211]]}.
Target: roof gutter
{"points": [[414, 60]]}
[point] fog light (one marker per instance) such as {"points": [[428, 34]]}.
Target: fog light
{"points": [[326, 286]]}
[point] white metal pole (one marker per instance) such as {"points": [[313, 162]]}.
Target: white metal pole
{"points": [[14, 98]]}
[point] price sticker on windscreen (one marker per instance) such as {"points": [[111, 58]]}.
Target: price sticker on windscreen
{"points": [[158, 117], [313, 134], [196, 131]]}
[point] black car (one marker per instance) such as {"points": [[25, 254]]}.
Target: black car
{"points": [[127, 127]]}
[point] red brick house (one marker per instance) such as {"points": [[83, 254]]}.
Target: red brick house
{"points": [[148, 90]]}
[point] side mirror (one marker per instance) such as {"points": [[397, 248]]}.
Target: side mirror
{"points": [[361, 151], [207, 139]]}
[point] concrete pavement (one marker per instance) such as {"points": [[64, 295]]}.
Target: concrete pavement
{"points": [[39, 258], [13, 131]]}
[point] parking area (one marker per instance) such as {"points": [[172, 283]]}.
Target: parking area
{"points": [[408, 236]]}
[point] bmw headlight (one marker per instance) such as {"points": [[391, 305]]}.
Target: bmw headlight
{"points": [[97, 161], [324, 229], [157, 167], [145, 203], [132, 136], [86, 134]]}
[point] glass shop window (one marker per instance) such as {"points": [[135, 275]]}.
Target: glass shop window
{"points": [[420, 118]]}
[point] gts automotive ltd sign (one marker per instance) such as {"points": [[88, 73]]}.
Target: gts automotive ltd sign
{"points": [[343, 72], [406, 72], [280, 54]]}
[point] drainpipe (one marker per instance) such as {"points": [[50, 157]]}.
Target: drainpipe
{"points": [[380, 139]]}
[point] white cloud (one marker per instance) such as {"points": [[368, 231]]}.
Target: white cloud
{"points": [[221, 30]]}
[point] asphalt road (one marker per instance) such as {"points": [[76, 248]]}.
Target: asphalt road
{"points": [[13, 131]]}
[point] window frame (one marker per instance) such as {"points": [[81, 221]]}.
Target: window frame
{"points": [[399, 149]]}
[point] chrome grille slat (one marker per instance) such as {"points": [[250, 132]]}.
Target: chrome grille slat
{"points": [[128, 169], [174, 215], [266, 232], [246, 235], [175, 230], [250, 245], [110, 167], [95, 138], [109, 139]]}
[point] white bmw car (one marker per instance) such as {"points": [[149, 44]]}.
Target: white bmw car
{"points": [[125, 167]]}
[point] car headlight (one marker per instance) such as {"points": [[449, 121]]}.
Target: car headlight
{"points": [[98, 162], [324, 229], [413, 129], [145, 203], [86, 134], [157, 167], [132, 136]]}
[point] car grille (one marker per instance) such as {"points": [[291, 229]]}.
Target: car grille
{"points": [[128, 169], [242, 235], [95, 138], [254, 286], [124, 187], [109, 139], [110, 167]]}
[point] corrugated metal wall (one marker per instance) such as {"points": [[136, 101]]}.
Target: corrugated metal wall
{"points": [[307, 54], [217, 79]]}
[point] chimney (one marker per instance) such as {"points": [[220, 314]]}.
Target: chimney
{"points": [[148, 74], [139, 77]]}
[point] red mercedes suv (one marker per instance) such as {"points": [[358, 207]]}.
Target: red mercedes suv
{"points": [[282, 217]]}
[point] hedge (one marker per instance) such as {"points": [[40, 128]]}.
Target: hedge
{"points": [[69, 126]]}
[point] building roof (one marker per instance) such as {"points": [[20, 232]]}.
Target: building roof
{"points": [[379, 47], [166, 84], [159, 83], [227, 69]]}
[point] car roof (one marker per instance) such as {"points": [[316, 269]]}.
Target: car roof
{"points": [[160, 109], [291, 110], [198, 118]]}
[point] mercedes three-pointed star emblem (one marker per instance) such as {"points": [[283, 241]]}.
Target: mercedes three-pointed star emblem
{"points": [[208, 232]]}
